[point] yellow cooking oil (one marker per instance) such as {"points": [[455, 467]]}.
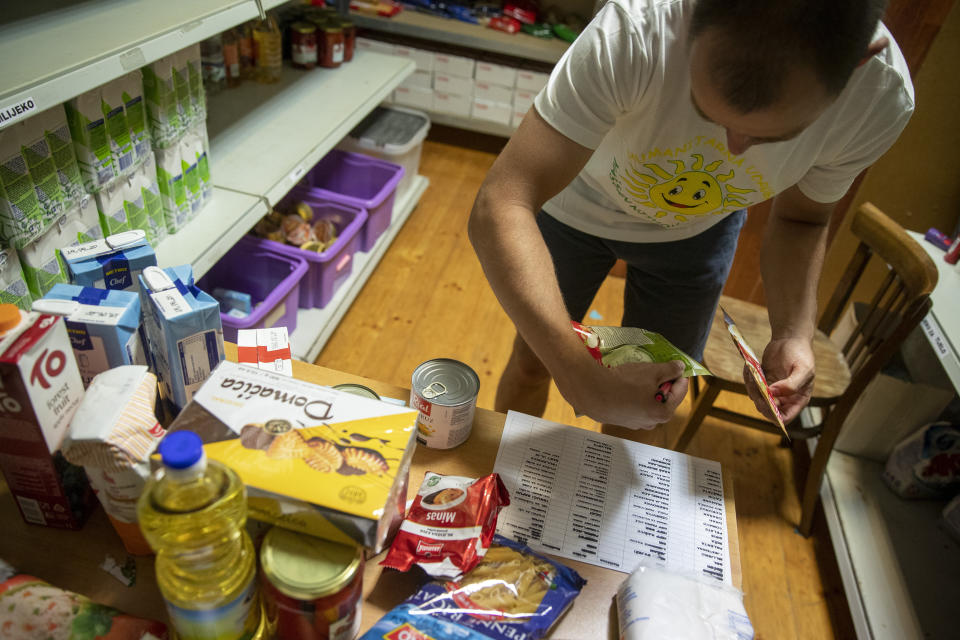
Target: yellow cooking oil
{"points": [[192, 512]]}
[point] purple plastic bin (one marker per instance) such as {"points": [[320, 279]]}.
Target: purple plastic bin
{"points": [[272, 279], [359, 181], [328, 270]]}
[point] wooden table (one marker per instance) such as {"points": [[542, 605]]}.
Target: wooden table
{"points": [[71, 559]]}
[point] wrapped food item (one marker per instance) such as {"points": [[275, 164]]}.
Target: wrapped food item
{"points": [[512, 594], [31, 608], [614, 346], [406, 621], [927, 464], [450, 525], [296, 230], [112, 435]]}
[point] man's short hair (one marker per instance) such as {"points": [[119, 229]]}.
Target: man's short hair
{"points": [[762, 40]]}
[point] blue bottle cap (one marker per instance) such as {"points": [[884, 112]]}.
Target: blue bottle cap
{"points": [[181, 449]]}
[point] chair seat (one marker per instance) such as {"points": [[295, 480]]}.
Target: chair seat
{"points": [[724, 361]]}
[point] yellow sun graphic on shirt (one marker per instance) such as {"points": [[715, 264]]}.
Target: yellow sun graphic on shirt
{"points": [[675, 196]]}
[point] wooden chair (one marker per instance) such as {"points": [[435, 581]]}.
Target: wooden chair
{"points": [[898, 305]]}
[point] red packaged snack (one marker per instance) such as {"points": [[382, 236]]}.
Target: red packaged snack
{"points": [[505, 24], [449, 526]]}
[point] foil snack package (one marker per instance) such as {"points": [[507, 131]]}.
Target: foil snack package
{"points": [[613, 346]]}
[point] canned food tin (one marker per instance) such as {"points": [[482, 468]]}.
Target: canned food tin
{"points": [[444, 391], [312, 588], [357, 390]]}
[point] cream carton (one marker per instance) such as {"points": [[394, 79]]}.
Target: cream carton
{"points": [[173, 191], [112, 435], [316, 460], [163, 110], [114, 262], [53, 122], [21, 218], [91, 142], [13, 286], [118, 131], [183, 331], [103, 325], [146, 179], [40, 389]]}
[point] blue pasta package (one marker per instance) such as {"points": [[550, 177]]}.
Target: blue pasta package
{"points": [[512, 594], [407, 623]]}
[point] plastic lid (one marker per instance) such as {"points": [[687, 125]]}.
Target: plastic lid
{"points": [[392, 126], [156, 279], [56, 307], [181, 450], [125, 238], [305, 567], [9, 317]]}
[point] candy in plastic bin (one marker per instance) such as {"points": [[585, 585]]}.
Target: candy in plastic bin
{"points": [[513, 594], [296, 230]]}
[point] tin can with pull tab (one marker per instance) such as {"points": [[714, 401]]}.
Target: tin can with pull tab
{"points": [[444, 391]]}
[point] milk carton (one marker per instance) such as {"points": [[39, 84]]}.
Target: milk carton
{"points": [[13, 287], [91, 142], [181, 86], [89, 228], [134, 107], [163, 110], [183, 331], [191, 148], [40, 389], [43, 169], [173, 191], [21, 218], [113, 215], [118, 131], [112, 435], [112, 263], [54, 124], [40, 259], [146, 177], [198, 97], [103, 326]]}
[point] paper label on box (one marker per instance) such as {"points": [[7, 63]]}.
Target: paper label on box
{"points": [[87, 250], [109, 316], [171, 303], [198, 357]]}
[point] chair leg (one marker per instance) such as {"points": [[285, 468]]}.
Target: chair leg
{"points": [[701, 407], [811, 487]]}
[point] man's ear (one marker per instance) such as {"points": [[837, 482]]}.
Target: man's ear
{"points": [[874, 48]]}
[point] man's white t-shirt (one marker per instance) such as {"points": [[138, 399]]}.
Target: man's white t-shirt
{"points": [[659, 171]]}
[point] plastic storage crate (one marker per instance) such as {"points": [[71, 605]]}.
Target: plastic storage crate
{"points": [[272, 279], [328, 270], [360, 181], [394, 134]]}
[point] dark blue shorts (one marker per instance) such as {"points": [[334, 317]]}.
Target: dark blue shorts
{"points": [[671, 287]]}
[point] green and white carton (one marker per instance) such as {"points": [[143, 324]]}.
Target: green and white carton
{"points": [[191, 148], [13, 287], [146, 177], [111, 204], [91, 142], [53, 121], [118, 131], [181, 86], [173, 192], [198, 97], [43, 169], [134, 105], [21, 218], [89, 229], [163, 109]]}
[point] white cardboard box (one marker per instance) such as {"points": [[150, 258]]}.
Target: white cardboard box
{"points": [[423, 58], [417, 97], [492, 111], [366, 44], [523, 100], [492, 92], [452, 84], [421, 79], [452, 104], [496, 74], [531, 80], [453, 65]]}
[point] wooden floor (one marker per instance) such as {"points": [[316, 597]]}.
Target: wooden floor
{"points": [[428, 298]]}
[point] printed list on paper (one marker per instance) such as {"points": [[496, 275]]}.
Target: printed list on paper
{"points": [[611, 502]]}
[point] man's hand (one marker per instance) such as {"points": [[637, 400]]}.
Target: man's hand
{"points": [[789, 368], [625, 395]]}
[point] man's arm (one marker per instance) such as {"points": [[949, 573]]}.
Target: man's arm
{"points": [[791, 261], [537, 163]]}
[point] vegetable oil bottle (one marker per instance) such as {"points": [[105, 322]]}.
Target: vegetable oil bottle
{"points": [[192, 512]]}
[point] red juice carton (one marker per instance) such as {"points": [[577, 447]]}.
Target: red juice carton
{"points": [[40, 390]]}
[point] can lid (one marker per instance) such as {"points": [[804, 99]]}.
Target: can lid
{"points": [[305, 567], [357, 390], [9, 317], [304, 27], [445, 382]]}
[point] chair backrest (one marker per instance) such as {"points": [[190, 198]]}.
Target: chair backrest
{"points": [[898, 305]]}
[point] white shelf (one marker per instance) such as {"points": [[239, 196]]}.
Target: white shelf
{"points": [[264, 137], [899, 566], [64, 48], [217, 227], [472, 124], [315, 326], [464, 34]]}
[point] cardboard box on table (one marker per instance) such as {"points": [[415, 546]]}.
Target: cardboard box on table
{"points": [[314, 460]]}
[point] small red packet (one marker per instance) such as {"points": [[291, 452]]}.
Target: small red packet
{"points": [[449, 526]]}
